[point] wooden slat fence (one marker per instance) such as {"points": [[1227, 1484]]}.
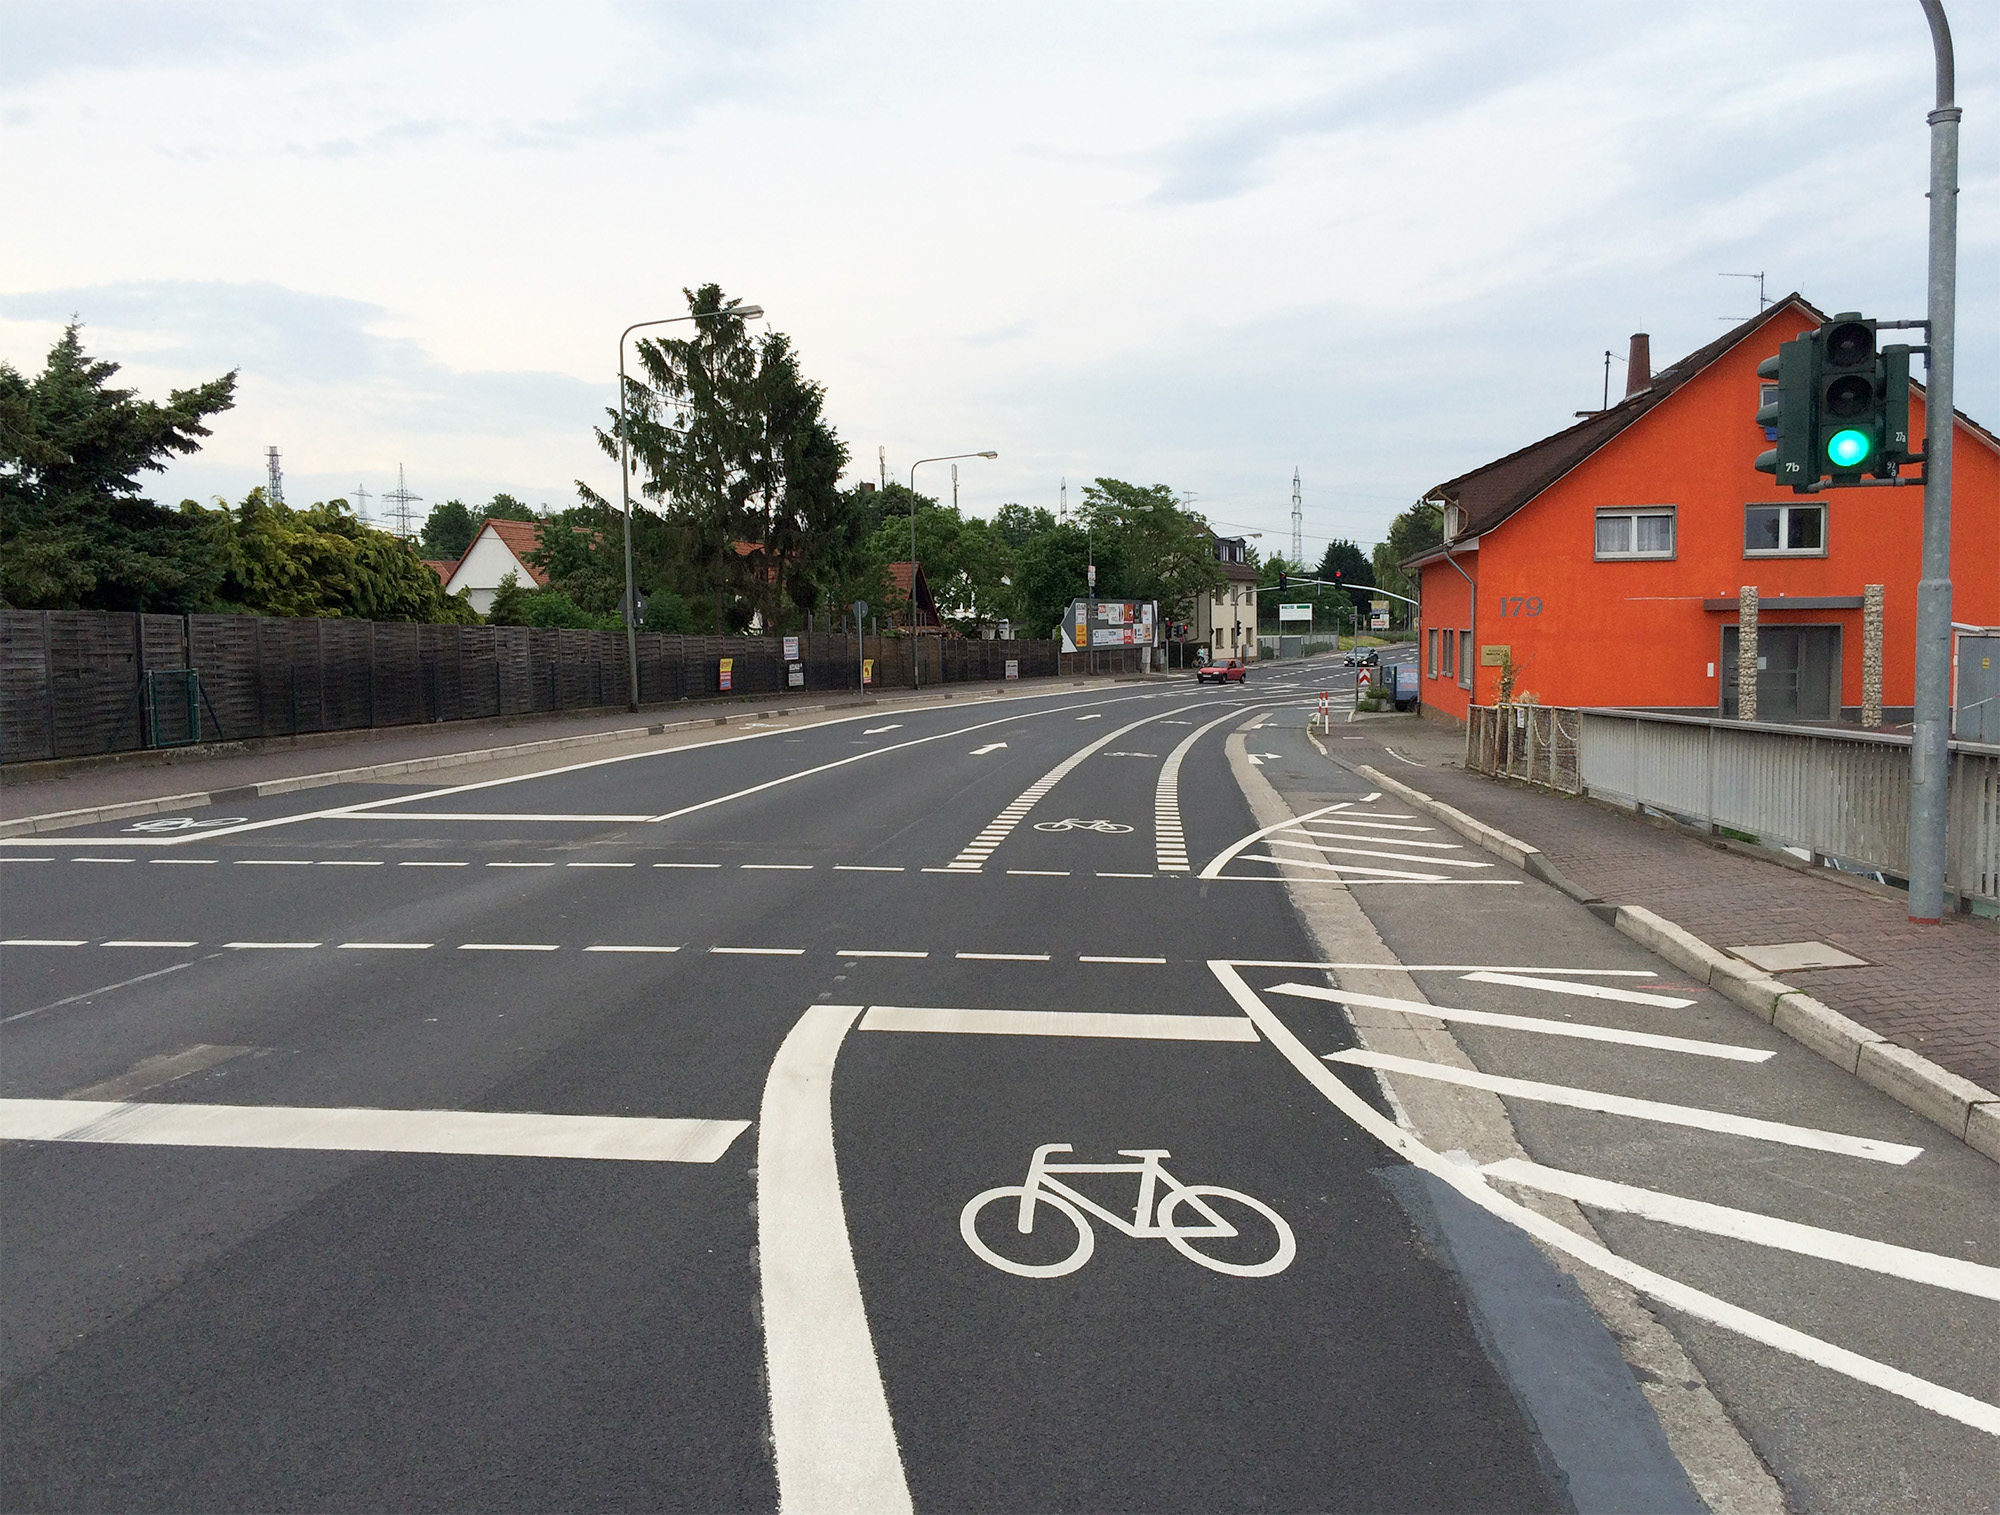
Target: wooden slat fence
{"points": [[72, 681]]}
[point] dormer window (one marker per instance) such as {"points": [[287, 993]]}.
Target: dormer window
{"points": [[1454, 522]]}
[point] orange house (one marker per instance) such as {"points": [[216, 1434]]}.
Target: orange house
{"points": [[1604, 565]]}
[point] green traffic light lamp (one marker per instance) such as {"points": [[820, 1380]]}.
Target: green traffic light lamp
{"points": [[1849, 448]]}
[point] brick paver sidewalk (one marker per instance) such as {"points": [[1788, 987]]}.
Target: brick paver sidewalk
{"points": [[1932, 989]]}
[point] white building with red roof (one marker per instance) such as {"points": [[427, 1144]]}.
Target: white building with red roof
{"points": [[501, 548]]}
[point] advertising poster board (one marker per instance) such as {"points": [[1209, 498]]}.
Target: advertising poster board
{"points": [[1110, 623], [728, 665], [791, 649], [867, 670], [1296, 613], [1013, 668]]}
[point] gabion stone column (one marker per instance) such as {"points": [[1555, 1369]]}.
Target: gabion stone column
{"points": [[1746, 653], [1871, 655]]}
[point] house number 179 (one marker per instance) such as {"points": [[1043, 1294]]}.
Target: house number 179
{"points": [[1520, 604]]}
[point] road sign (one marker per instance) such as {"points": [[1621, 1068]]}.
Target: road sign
{"points": [[1013, 668], [1362, 679], [1296, 613]]}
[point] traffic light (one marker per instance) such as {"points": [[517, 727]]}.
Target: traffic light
{"points": [[1786, 413], [1850, 392], [1284, 581]]}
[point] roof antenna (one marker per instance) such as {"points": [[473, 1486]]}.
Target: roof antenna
{"points": [[1762, 301], [1609, 358]]}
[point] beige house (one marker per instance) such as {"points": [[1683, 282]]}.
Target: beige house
{"points": [[1226, 621]]}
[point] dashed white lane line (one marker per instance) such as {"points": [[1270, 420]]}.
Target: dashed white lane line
{"points": [[382, 946], [102, 860], [687, 865], [1093, 1023], [509, 947], [1729, 1052], [520, 865], [617, 947], [26, 860], [1582, 991], [45, 941], [758, 951], [1002, 957], [147, 942], [1638, 1109], [600, 865], [1086, 958], [866, 868], [1746, 1225], [778, 867], [342, 862], [1039, 872], [314, 1129], [876, 952], [272, 946], [272, 862], [433, 865], [185, 862]]}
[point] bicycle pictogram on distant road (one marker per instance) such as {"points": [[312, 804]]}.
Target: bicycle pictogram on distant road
{"points": [[1071, 823], [1156, 1214], [170, 823]]}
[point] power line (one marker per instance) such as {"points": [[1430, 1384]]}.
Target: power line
{"points": [[402, 499]]}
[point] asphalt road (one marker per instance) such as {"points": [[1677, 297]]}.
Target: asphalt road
{"points": [[626, 1135]]}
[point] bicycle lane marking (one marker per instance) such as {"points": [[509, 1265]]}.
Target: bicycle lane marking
{"points": [[1470, 1183], [1169, 836]]}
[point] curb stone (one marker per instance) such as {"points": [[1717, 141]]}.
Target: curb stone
{"points": [[1965, 1109]]}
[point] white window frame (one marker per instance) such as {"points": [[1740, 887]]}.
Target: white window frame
{"points": [[1632, 514], [1431, 652], [1465, 660], [1784, 509]]}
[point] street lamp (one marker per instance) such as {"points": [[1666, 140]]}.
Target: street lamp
{"points": [[916, 663], [745, 312]]}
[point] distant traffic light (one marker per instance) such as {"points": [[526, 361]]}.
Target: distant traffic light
{"points": [[1284, 581]]}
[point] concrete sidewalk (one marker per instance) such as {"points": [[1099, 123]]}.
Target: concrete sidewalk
{"points": [[1932, 989], [138, 779]]}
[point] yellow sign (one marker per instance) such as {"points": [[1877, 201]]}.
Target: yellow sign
{"points": [[1495, 656], [727, 665], [867, 670]]}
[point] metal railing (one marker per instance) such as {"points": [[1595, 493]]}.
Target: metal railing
{"points": [[1839, 795]]}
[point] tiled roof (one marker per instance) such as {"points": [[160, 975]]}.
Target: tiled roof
{"points": [[444, 568]]}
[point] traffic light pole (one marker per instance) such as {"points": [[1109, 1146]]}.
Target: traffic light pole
{"points": [[1930, 758]]}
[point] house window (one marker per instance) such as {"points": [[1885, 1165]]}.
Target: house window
{"points": [[1784, 530], [1465, 660], [1431, 652], [1643, 533]]}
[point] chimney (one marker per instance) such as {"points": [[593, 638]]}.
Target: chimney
{"points": [[1639, 366]]}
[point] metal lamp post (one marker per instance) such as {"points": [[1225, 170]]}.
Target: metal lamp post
{"points": [[916, 662], [746, 312]]}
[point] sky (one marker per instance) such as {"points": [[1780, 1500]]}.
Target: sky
{"points": [[1189, 244]]}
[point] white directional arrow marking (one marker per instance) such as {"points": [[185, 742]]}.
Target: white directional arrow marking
{"points": [[989, 747], [1098, 717], [1258, 758], [878, 730]]}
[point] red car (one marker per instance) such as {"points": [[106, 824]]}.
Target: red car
{"points": [[1230, 672]]}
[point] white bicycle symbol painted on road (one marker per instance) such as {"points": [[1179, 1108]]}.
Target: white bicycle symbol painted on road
{"points": [[1148, 1218], [185, 823], [1073, 824]]}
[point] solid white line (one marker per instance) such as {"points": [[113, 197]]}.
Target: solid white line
{"points": [[509, 947], [272, 946], [1121, 960], [467, 815], [382, 946], [864, 868], [1272, 962], [1745, 1225], [1722, 1050], [1224, 857], [875, 952], [1552, 1234], [1039, 872], [312, 1129], [687, 865], [1372, 836], [138, 942], [609, 948], [1582, 991], [45, 941], [1002, 957], [1391, 873], [1640, 1109], [1092, 1023], [758, 951], [90, 994], [833, 1439]]}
